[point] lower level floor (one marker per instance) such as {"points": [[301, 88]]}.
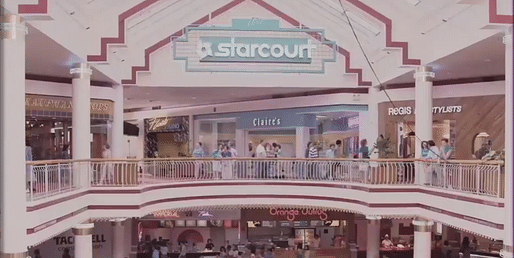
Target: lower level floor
{"points": [[283, 231]]}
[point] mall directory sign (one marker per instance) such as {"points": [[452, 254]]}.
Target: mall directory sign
{"points": [[254, 45]]}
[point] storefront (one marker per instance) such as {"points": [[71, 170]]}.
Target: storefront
{"points": [[468, 126], [292, 129], [49, 125], [195, 226], [167, 137], [288, 228]]}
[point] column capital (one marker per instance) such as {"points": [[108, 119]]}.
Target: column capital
{"points": [[81, 70], [373, 217], [12, 26], [425, 72], [83, 229], [421, 225], [117, 222]]}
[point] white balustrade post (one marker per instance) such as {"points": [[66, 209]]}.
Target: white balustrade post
{"points": [[422, 238], [13, 242], [373, 241]]}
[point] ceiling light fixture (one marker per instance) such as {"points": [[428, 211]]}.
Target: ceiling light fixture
{"points": [[414, 2], [362, 22]]}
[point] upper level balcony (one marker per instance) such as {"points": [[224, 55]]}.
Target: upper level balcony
{"points": [[462, 194]]}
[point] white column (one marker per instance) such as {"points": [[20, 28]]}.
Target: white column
{"points": [[303, 136], [117, 142], [422, 238], [509, 146], [192, 128], [370, 130], [83, 240], [373, 241], [81, 121], [118, 233], [13, 241], [240, 142], [423, 106], [214, 139]]}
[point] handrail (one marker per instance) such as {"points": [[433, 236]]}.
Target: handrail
{"points": [[53, 177], [474, 162]]}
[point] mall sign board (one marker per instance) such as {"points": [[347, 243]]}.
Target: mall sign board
{"points": [[254, 45]]}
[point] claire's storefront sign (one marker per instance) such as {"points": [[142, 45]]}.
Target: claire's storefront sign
{"points": [[405, 111], [254, 45], [295, 214]]}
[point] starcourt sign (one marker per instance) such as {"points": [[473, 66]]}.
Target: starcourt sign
{"points": [[253, 45], [265, 50]]}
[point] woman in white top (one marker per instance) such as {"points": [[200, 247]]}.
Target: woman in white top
{"points": [[107, 171]]}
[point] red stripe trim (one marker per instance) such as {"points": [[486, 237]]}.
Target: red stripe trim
{"points": [[277, 12], [214, 184], [494, 17], [389, 28], [305, 197], [40, 8]]}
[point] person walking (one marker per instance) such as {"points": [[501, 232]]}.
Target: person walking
{"points": [[465, 248], [29, 176]]}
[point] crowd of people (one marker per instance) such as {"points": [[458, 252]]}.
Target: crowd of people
{"points": [[266, 149]]}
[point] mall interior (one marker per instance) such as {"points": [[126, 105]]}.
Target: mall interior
{"points": [[256, 128]]}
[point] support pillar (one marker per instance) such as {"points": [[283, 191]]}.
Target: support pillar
{"points": [[303, 136], [423, 105], [81, 121], [192, 135], [117, 124], [422, 238], [13, 237], [368, 129], [240, 142], [373, 241], [508, 244], [83, 240], [118, 248]]}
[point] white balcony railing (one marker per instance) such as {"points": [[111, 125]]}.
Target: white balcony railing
{"points": [[55, 177]]}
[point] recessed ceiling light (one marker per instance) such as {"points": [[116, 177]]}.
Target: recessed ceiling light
{"points": [[148, 93], [193, 97], [487, 60]]}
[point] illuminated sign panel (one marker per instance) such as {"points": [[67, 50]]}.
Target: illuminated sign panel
{"points": [[254, 46]]}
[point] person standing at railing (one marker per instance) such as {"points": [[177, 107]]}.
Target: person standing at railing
{"points": [[65, 170], [107, 172], [313, 154], [199, 152], [261, 154], [216, 165], [433, 155], [226, 164], [446, 154], [331, 154], [29, 177]]}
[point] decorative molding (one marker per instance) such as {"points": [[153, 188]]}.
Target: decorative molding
{"points": [[494, 17], [40, 8], [81, 71], [83, 229]]}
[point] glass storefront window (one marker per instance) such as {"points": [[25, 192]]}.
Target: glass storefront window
{"points": [[51, 138], [214, 133]]}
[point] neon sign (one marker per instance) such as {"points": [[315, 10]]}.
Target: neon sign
{"points": [[166, 214], [292, 214]]}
